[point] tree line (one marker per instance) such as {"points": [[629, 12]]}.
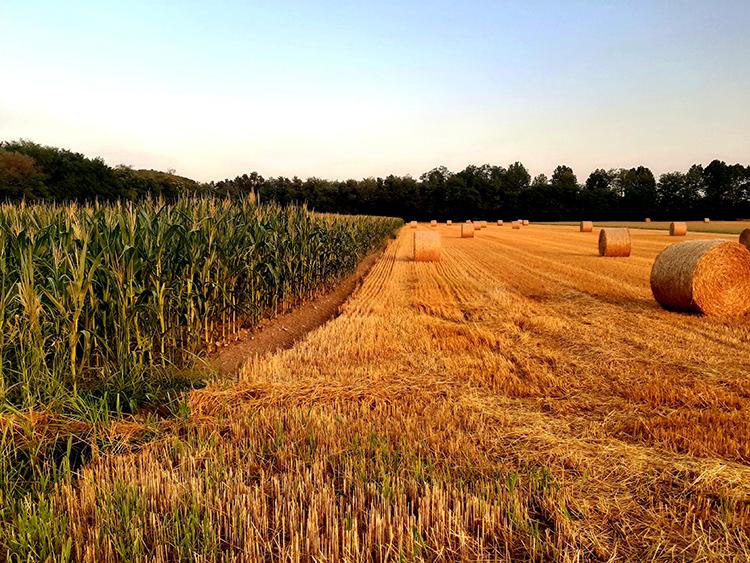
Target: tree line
{"points": [[719, 190], [490, 192], [34, 172]]}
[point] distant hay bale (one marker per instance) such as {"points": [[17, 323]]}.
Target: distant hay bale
{"points": [[467, 230], [516, 224], [482, 224], [745, 238], [426, 246], [614, 242], [449, 222], [525, 222], [706, 276], [413, 224], [677, 229], [706, 220], [468, 220], [433, 223], [499, 222], [647, 219], [586, 226]]}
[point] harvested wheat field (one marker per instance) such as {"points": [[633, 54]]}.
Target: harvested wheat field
{"points": [[521, 399], [721, 227]]}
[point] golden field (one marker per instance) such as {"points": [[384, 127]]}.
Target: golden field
{"points": [[522, 398], [719, 227]]}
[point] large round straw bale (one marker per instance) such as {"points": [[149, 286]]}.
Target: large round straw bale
{"points": [[614, 242], [467, 230], [499, 222], [647, 219], [468, 220], [525, 222], [482, 224], [586, 226], [426, 246], [745, 238], [707, 276], [449, 222], [516, 224], [413, 224], [677, 229], [706, 220], [433, 223]]}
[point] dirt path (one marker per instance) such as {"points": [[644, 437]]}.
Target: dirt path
{"points": [[282, 331]]}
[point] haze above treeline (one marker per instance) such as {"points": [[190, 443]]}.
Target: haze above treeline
{"points": [[33, 172]]}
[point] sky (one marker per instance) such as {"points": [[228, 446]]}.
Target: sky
{"points": [[354, 89]]}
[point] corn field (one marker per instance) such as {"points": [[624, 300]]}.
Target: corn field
{"points": [[92, 297]]}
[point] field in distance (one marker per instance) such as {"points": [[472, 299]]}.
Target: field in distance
{"points": [[521, 399], [721, 227]]}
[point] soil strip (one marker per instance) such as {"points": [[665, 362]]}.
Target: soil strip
{"points": [[282, 331]]}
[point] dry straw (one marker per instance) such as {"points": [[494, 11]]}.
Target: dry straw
{"points": [[426, 246], [482, 224], [467, 230], [677, 229], [586, 226], [614, 242], [745, 238], [433, 223], [413, 224], [516, 224], [449, 222], [706, 220], [706, 276], [647, 219], [525, 222], [499, 222]]}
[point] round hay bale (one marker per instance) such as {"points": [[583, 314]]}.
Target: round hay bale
{"points": [[614, 242], [426, 246], [706, 276], [482, 224], [467, 230], [413, 224], [525, 222], [499, 222], [468, 220], [706, 220], [586, 226], [516, 224], [647, 219], [745, 238], [433, 223], [677, 229], [449, 222]]}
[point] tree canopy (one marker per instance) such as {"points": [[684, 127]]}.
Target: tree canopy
{"points": [[32, 171]]}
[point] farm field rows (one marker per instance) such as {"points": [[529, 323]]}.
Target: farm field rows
{"points": [[720, 227], [522, 398]]}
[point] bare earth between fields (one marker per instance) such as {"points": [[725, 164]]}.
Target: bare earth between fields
{"points": [[282, 331], [521, 398]]}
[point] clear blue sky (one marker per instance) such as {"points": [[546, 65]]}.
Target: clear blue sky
{"points": [[354, 89]]}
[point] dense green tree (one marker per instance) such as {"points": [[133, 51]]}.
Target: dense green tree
{"points": [[20, 176], [639, 194], [32, 171], [598, 196]]}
